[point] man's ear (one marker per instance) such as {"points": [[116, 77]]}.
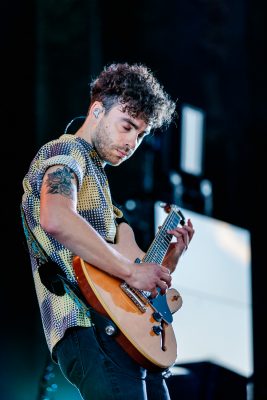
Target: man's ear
{"points": [[96, 112], [96, 109]]}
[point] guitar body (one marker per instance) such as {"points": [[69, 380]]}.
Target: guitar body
{"points": [[136, 327]]}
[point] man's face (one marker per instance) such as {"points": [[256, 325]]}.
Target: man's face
{"points": [[118, 135]]}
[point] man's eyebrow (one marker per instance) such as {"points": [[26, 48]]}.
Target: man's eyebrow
{"points": [[125, 119]]}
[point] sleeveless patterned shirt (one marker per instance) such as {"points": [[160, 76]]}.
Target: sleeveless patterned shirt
{"points": [[94, 204]]}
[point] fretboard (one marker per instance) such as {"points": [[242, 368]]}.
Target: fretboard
{"points": [[161, 242]]}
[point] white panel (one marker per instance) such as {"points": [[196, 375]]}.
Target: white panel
{"points": [[192, 140], [214, 279]]}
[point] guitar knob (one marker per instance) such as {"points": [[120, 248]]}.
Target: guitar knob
{"points": [[110, 330], [157, 316], [157, 329]]}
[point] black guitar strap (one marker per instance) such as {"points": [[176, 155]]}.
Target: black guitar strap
{"points": [[51, 275]]}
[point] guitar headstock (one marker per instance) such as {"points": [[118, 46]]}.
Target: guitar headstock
{"points": [[169, 207]]}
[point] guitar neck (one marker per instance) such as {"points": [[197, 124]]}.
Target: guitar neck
{"points": [[161, 242]]}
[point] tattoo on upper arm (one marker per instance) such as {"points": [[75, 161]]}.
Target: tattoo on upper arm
{"points": [[59, 182]]}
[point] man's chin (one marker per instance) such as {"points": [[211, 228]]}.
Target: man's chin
{"points": [[115, 163]]}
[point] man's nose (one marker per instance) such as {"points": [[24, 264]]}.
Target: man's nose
{"points": [[132, 141]]}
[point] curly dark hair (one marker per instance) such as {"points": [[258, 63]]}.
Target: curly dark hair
{"points": [[137, 90]]}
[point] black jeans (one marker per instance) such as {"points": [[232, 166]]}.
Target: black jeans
{"points": [[100, 369]]}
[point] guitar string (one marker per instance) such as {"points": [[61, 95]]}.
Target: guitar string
{"points": [[157, 252], [158, 238], [161, 239]]}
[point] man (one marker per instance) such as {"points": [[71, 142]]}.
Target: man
{"points": [[68, 211]]}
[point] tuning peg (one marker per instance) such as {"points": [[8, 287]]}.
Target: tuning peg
{"points": [[167, 207]]}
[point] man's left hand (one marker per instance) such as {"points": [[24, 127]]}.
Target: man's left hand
{"points": [[183, 237]]}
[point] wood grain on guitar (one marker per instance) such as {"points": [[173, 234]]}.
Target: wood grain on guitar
{"points": [[144, 325]]}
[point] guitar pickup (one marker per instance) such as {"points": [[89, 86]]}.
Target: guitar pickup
{"points": [[136, 296]]}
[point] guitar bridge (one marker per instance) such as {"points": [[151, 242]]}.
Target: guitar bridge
{"points": [[137, 297]]}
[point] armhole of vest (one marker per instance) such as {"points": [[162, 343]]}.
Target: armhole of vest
{"points": [[122, 219]]}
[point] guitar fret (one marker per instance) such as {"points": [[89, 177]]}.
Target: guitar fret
{"points": [[161, 242]]}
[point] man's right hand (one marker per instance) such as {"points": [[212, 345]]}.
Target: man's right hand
{"points": [[149, 277]]}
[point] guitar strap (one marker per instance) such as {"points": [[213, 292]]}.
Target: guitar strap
{"points": [[51, 275]]}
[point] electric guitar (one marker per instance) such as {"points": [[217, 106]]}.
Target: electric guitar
{"points": [[144, 324]]}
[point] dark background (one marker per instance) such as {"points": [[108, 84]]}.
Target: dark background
{"points": [[209, 54]]}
